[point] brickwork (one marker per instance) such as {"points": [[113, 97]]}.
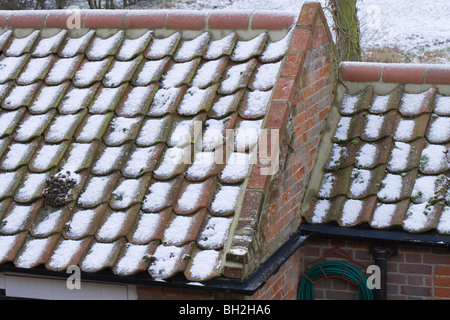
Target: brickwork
{"points": [[416, 273]]}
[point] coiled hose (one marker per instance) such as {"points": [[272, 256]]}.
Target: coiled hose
{"points": [[334, 269]]}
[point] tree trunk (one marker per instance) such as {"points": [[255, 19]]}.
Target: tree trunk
{"points": [[347, 29]]}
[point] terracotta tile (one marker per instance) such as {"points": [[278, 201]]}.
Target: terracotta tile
{"points": [[149, 227], [149, 71], [79, 156], [194, 196], [382, 104], [196, 100], [190, 49], [47, 98], [120, 72], [434, 158], [154, 131], [174, 257], [177, 20], [99, 19], [35, 70], [365, 182], [35, 251], [408, 129], [193, 272], [63, 127], [92, 127], [10, 120], [19, 217], [84, 222], [159, 48], [121, 130], [438, 131], [135, 19], [31, 187], [49, 221], [389, 215], [353, 71], [141, 160], [63, 69], [352, 104], [224, 201], [183, 229], [247, 49], [134, 259], [129, 192], [355, 212], [209, 72], [429, 216], [136, 101], [161, 194], [437, 74], [414, 104], [11, 245], [166, 101], [9, 183], [74, 46], [63, 19], [221, 47], [179, 74], [67, 253], [19, 46], [441, 105], [272, 21], [173, 162], [228, 21], [116, 224], [224, 105], [404, 73], [390, 192], [20, 96], [101, 255], [236, 77], [48, 45], [130, 48], [405, 156], [106, 99], [18, 154], [97, 190], [255, 104], [109, 159], [378, 126], [214, 232]]}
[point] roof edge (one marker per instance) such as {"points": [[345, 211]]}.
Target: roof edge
{"points": [[395, 72], [151, 19]]}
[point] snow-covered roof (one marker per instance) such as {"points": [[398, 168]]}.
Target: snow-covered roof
{"points": [[101, 164], [389, 157]]}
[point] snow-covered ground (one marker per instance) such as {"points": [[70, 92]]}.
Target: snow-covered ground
{"points": [[414, 27]]}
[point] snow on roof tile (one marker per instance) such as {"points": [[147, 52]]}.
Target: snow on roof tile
{"points": [[114, 110], [399, 143]]}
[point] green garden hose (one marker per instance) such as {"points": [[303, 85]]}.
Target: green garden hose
{"points": [[334, 269]]}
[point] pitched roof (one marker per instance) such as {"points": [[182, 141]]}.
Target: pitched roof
{"points": [[387, 163], [96, 136]]}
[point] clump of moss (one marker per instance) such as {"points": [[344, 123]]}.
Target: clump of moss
{"points": [[58, 189]]}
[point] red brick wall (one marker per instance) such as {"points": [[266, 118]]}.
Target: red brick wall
{"points": [[417, 273], [310, 65]]}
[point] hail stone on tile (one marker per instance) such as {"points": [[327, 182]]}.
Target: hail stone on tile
{"points": [[151, 71], [166, 259], [157, 198], [163, 101], [108, 159], [46, 46], [151, 131], [276, 50], [62, 69], [73, 46], [444, 221], [99, 48], [34, 70], [405, 129], [132, 47], [439, 130], [213, 135], [417, 216], [106, 99], [320, 211], [64, 253], [80, 223], [78, 154], [247, 134], [327, 185], [366, 155], [94, 191], [31, 185], [89, 72], [162, 47], [266, 76], [32, 126], [61, 127], [98, 256], [215, 233], [349, 103], [203, 162], [16, 154], [146, 227], [133, 256], [379, 104], [9, 66], [112, 225], [425, 188], [225, 199], [343, 128], [178, 74], [136, 101], [382, 216], [219, 47], [34, 249], [182, 133], [412, 103], [15, 219], [120, 72], [246, 49], [121, 129], [19, 45], [178, 230], [361, 181], [373, 126], [138, 161], [442, 105], [7, 179], [190, 48], [189, 198], [207, 73], [46, 155], [19, 96], [257, 102], [6, 243], [399, 156], [391, 189], [172, 158], [434, 159], [48, 224], [351, 211], [237, 167], [47, 98], [203, 264]]}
